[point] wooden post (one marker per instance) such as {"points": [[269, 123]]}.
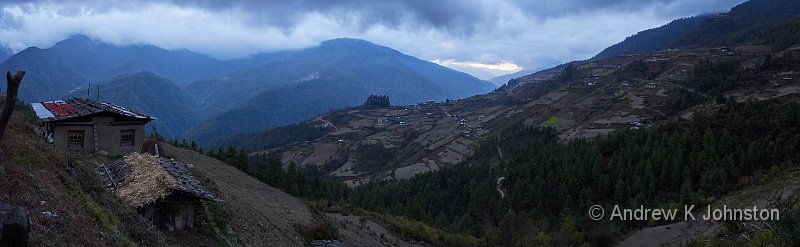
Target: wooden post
{"points": [[11, 99]]}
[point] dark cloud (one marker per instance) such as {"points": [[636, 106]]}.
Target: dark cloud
{"points": [[531, 33], [461, 16], [455, 15]]}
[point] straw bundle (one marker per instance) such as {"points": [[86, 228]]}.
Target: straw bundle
{"points": [[147, 182]]}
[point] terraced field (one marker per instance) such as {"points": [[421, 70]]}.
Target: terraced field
{"points": [[604, 96]]}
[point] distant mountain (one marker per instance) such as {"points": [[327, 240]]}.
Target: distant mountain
{"points": [[771, 22], [503, 79], [159, 97], [256, 92], [655, 39], [294, 86], [79, 60], [5, 53], [47, 76]]}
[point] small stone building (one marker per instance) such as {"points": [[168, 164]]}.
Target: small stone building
{"points": [[87, 126], [161, 189]]}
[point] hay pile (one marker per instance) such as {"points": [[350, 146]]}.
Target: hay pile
{"points": [[147, 182]]}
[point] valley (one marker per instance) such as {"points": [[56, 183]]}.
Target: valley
{"points": [[309, 140], [200, 88], [628, 92]]}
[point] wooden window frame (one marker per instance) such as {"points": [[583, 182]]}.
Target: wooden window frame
{"points": [[127, 137], [76, 139]]}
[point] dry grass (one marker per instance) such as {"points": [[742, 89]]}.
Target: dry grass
{"points": [[41, 179], [147, 182]]}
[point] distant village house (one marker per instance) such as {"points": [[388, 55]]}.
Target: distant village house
{"points": [[87, 126]]}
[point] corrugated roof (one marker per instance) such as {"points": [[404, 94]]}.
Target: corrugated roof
{"points": [[57, 110], [41, 111]]}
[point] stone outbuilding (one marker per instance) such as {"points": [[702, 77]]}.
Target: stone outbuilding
{"points": [[162, 189]]}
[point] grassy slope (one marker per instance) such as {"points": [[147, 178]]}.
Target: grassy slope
{"points": [[257, 213], [40, 178], [37, 177]]}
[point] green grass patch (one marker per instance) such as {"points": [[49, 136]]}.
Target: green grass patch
{"points": [[346, 146], [384, 134], [552, 121], [306, 151], [100, 215], [216, 223], [29, 155]]}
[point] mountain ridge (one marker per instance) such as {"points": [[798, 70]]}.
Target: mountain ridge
{"points": [[758, 22], [5, 53], [499, 81], [348, 70], [654, 39], [79, 60], [410, 139], [152, 94]]}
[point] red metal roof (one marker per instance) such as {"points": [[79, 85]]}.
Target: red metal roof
{"points": [[76, 107]]}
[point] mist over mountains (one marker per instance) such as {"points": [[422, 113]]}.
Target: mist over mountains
{"points": [[5, 53], [199, 97], [302, 147], [338, 73], [79, 60]]}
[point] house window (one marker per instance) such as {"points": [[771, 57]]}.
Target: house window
{"points": [[126, 137], [75, 139]]}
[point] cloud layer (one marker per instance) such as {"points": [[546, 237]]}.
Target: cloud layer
{"points": [[473, 33]]}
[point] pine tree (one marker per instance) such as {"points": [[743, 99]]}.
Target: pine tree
{"points": [[619, 192], [290, 184], [686, 193], [240, 161]]}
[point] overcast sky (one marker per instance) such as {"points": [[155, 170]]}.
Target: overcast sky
{"points": [[482, 37]]}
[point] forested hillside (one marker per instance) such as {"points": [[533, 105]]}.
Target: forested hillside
{"points": [[681, 127], [274, 137], [292, 85], [773, 23], [677, 131], [655, 39], [549, 185], [336, 74], [525, 186], [79, 60], [174, 110]]}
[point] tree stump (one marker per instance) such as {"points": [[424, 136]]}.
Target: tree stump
{"points": [[11, 99], [15, 225]]}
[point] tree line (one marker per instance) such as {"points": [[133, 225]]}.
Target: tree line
{"points": [[549, 185]]}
